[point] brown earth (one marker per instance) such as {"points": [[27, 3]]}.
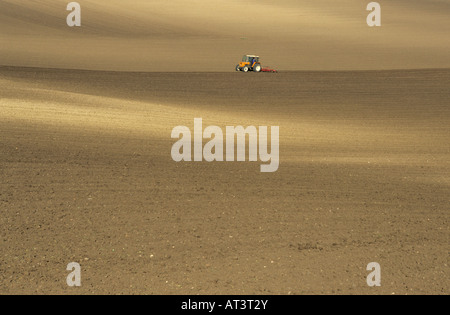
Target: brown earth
{"points": [[204, 35], [87, 176]]}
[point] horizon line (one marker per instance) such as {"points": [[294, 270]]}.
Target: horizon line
{"points": [[231, 71]]}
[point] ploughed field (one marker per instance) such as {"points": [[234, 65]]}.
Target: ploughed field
{"points": [[87, 176]]}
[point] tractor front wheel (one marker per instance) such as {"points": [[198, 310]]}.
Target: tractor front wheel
{"points": [[238, 68], [246, 69]]}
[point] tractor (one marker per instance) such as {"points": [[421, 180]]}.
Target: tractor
{"points": [[249, 63]]}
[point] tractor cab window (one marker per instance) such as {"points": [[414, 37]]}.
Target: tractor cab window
{"points": [[250, 59]]}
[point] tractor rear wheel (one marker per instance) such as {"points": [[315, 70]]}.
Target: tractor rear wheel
{"points": [[257, 68], [245, 69]]}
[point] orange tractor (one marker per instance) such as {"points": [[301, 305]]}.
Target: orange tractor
{"points": [[251, 63]]}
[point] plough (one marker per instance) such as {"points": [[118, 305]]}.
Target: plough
{"points": [[269, 70]]}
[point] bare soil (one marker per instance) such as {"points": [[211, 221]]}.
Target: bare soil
{"points": [[87, 176]]}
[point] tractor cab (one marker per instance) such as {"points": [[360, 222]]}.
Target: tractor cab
{"points": [[249, 63], [250, 59]]}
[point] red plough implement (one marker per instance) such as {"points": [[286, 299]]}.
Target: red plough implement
{"points": [[268, 70]]}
